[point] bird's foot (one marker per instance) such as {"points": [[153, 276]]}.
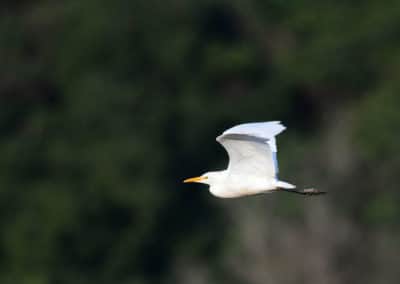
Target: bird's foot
{"points": [[312, 191]]}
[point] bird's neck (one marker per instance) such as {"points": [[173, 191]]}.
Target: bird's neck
{"points": [[217, 182]]}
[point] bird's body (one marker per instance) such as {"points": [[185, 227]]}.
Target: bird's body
{"points": [[253, 165], [225, 185]]}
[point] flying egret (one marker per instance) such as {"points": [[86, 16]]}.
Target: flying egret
{"points": [[253, 165]]}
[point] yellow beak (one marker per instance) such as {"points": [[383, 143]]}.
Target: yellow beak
{"points": [[194, 179]]}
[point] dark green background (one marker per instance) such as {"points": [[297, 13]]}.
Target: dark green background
{"points": [[105, 106]]}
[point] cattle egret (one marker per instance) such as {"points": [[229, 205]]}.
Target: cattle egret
{"points": [[253, 164]]}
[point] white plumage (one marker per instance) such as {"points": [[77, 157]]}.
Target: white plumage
{"points": [[253, 165], [252, 148]]}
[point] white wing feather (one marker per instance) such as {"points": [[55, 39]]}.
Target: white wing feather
{"points": [[252, 149], [266, 130]]}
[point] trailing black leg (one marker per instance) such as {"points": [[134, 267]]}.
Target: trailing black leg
{"points": [[307, 191]]}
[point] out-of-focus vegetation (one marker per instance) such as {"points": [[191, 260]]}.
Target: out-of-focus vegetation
{"points": [[106, 106]]}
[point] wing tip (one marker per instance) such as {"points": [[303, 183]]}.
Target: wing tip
{"points": [[279, 123]]}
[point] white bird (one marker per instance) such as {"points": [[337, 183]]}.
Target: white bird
{"points": [[253, 165]]}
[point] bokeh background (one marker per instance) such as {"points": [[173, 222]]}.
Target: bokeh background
{"points": [[106, 106]]}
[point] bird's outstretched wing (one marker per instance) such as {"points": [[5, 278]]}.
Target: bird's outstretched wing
{"points": [[252, 148]]}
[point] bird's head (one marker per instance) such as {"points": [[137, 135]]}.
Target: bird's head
{"points": [[207, 178]]}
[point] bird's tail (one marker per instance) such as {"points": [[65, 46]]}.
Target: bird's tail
{"points": [[282, 184]]}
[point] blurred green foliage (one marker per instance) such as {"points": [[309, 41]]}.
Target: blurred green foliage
{"points": [[106, 106]]}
